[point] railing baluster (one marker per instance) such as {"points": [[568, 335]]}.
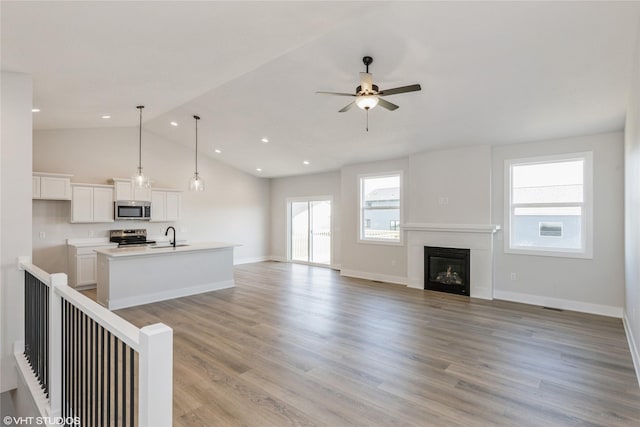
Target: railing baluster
{"points": [[115, 380], [124, 385], [131, 389], [76, 392], [108, 378], [102, 374]]}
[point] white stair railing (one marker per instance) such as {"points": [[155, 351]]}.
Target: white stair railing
{"points": [[83, 366]]}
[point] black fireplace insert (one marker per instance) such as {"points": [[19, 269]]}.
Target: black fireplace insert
{"points": [[447, 269]]}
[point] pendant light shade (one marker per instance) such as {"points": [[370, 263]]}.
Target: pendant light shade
{"points": [[196, 183], [139, 179]]}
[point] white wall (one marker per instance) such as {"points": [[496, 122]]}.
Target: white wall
{"points": [[234, 208], [15, 213], [324, 184], [374, 261], [450, 186], [594, 285], [632, 214]]}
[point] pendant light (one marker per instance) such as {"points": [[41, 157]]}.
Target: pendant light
{"points": [[140, 180], [196, 183]]}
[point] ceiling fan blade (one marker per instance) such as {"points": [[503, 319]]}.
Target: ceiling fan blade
{"points": [[403, 89], [347, 107], [386, 104], [336, 93], [366, 82]]}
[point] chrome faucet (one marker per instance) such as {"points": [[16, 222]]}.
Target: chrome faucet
{"points": [[166, 233]]}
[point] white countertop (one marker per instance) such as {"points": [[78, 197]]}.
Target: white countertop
{"points": [[90, 241], [162, 249]]}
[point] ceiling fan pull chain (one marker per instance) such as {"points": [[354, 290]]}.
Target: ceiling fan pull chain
{"points": [[367, 120]]}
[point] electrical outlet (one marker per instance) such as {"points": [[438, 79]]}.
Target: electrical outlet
{"points": [[42, 235], [91, 233], [393, 262], [443, 200], [513, 276]]}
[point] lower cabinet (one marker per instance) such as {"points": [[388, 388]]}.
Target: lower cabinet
{"points": [[83, 263]]}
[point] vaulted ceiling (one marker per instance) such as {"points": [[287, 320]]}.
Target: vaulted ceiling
{"points": [[491, 73]]}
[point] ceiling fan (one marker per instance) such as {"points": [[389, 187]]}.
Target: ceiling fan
{"points": [[368, 95]]}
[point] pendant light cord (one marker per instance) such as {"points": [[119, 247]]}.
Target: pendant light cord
{"points": [[197, 118], [140, 107]]}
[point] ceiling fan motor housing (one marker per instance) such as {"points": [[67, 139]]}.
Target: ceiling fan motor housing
{"points": [[373, 92]]}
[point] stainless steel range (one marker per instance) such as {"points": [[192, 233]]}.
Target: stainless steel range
{"points": [[127, 238]]}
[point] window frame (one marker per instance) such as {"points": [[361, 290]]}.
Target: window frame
{"points": [[586, 250], [379, 241]]}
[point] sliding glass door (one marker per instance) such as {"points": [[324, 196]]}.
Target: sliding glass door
{"points": [[310, 231]]}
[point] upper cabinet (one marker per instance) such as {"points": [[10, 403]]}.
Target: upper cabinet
{"points": [[92, 203], [125, 190], [51, 186], [165, 205]]}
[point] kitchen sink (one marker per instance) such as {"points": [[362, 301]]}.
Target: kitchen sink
{"points": [[168, 246]]}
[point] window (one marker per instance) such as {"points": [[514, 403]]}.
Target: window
{"points": [[548, 205], [380, 207]]}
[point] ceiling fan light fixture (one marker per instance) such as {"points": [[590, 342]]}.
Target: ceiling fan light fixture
{"points": [[367, 102]]}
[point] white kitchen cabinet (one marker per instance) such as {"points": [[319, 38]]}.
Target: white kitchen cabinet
{"points": [[91, 203], [125, 190], [51, 186], [165, 205], [83, 265], [103, 204], [86, 271]]}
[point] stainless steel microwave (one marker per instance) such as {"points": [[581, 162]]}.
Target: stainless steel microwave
{"points": [[132, 209]]}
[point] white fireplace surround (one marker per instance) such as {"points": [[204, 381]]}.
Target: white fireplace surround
{"points": [[476, 237]]}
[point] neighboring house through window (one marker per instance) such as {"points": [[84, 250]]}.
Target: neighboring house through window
{"points": [[380, 207], [549, 205]]}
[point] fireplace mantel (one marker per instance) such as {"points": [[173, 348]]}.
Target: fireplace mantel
{"points": [[456, 228]]}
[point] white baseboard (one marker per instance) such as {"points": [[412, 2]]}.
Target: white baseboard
{"points": [[564, 304], [375, 276], [170, 294], [635, 353], [250, 260]]}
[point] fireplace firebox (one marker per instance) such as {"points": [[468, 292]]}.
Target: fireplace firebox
{"points": [[447, 270]]}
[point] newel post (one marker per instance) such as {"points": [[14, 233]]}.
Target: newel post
{"points": [[156, 376], [55, 344]]}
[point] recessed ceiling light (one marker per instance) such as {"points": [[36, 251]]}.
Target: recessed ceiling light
{"points": [[174, 123], [106, 116], [35, 110], [265, 140], [306, 162], [259, 169], [217, 151]]}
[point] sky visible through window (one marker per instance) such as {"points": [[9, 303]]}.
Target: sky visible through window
{"points": [[548, 183], [372, 184]]}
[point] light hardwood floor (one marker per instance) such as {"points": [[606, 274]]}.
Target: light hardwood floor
{"points": [[299, 345]]}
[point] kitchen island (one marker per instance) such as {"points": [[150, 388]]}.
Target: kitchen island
{"points": [[141, 275]]}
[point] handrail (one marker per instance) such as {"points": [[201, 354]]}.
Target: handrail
{"points": [[125, 331], [115, 324], [24, 263]]}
